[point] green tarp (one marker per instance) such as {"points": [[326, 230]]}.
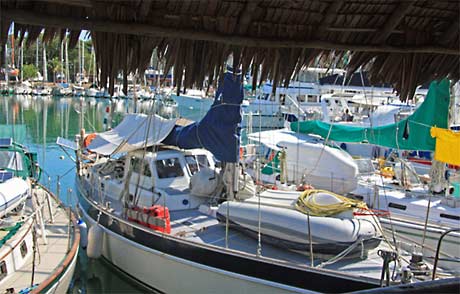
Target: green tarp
{"points": [[273, 166], [412, 133], [17, 132]]}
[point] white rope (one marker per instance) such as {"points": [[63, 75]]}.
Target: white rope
{"points": [[341, 255]]}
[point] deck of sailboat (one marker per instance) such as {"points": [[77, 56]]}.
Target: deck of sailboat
{"points": [[48, 256], [195, 226]]}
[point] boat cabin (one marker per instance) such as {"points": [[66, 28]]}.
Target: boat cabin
{"points": [[161, 177]]}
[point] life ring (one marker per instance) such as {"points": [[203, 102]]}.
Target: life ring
{"points": [[88, 139]]}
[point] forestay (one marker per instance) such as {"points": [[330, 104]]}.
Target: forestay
{"points": [[134, 132]]}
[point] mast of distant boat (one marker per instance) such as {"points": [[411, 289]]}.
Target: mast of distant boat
{"points": [[22, 60], [79, 61], [67, 74], [45, 70], [61, 60]]}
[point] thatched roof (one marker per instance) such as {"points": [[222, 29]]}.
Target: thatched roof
{"points": [[405, 43]]}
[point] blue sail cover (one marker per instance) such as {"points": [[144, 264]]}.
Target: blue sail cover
{"points": [[219, 130]]}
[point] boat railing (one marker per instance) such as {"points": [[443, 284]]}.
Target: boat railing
{"points": [[438, 249]]}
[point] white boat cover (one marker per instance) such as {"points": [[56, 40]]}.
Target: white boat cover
{"points": [[11, 192], [272, 138], [136, 131]]}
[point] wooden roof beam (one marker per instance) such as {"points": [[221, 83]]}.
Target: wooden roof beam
{"points": [[329, 16], [393, 21], [448, 35], [46, 20], [78, 3], [246, 16]]}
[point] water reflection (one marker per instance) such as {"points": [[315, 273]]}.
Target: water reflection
{"points": [[37, 122], [89, 278]]}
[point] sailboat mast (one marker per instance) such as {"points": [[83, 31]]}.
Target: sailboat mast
{"points": [[61, 60], [83, 58], [6, 62], [67, 74], [12, 50], [45, 70], [79, 62], [36, 55], [22, 60], [93, 55]]}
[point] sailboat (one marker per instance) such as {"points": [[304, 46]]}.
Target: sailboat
{"points": [[151, 196], [42, 89], [417, 214], [33, 224]]}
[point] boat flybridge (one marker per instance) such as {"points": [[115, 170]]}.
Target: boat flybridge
{"points": [[157, 203]]}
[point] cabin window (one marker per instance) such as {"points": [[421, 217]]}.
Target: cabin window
{"points": [[196, 163], [450, 216], [282, 99], [397, 206], [136, 165], [169, 168], [312, 98], [3, 270], [364, 166], [23, 249], [301, 98], [192, 164], [203, 161]]}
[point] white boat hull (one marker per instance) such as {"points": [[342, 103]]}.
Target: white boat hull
{"points": [[62, 284], [412, 232], [153, 268]]}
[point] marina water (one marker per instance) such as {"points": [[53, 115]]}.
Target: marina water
{"points": [[37, 122]]}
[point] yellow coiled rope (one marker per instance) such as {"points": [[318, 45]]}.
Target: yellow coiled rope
{"points": [[307, 204]]}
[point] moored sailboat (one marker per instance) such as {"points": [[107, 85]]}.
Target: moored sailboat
{"points": [[140, 202], [33, 224]]}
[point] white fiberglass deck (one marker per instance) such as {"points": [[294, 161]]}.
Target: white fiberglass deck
{"points": [[198, 227], [48, 256]]}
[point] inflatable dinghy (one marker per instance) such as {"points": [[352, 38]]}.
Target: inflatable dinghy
{"points": [[285, 226]]}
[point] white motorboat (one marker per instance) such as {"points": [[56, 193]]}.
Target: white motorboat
{"points": [[23, 89], [61, 89], [299, 101], [41, 91]]}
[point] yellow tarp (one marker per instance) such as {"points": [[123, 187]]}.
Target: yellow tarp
{"points": [[447, 145]]}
